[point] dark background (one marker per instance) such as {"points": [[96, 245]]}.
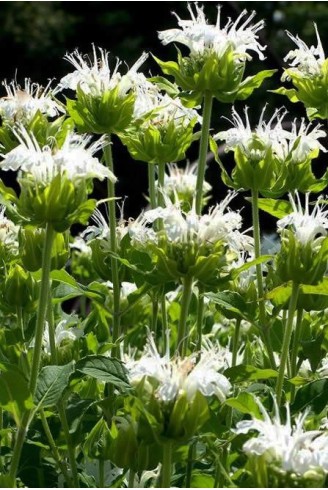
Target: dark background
{"points": [[34, 36]]}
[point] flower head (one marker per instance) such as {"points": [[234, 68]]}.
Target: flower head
{"points": [[8, 231], [182, 181], [307, 227], [74, 158], [286, 444], [94, 75], [202, 38], [176, 376], [63, 332], [305, 61], [21, 104]]}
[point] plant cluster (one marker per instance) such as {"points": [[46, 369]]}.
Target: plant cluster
{"points": [[188, 358]]}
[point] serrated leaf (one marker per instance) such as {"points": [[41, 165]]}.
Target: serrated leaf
{"points": [[243, 372], [109, 370], [51, 383], [230, 301], [313, 394], [15, 395]]}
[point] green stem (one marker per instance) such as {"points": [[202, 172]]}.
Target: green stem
{"points": [[62, 467], [182, 328], [235, 343], [43, 304], [167, 465], [161, 179], [295, 346], [286, 341], [101, 473], [151, 185], [132, 475], [19, 441], [1, 427], [203, 148], [113, 246], [200, 317], [190, 464], [51, 326], [70, 446], [154, 315], [260, 289]]}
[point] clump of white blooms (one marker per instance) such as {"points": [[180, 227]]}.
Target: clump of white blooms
{"points": [[305, 61], [74, 159], [22, 103], [183, 180], [80, 245], [203, 38], [296, 145], [176, 376], [100, 230], [218, 225], [308, 227], [8, 231], [286, 444], [63, 332], [94, 76]]}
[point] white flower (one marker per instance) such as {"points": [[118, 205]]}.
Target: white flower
{"points": [[181, 227], [95, 77], [75, 158], [21, 104], [323, 369], [101, 231], [287, 444], [178, 375], [8, 231], [81, 246], [306, 61], [296, 145], [307, 227], [63, 332], [202, 38], [183, 180]]}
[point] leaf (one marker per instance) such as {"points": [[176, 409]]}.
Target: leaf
{"points": [[277, 208], [264, 258], [15, 395], [243, 372], [51, 383], [321, 288], [281, 294], [248, 85], [201, 480], [230, 301], [314, 394], [245, 403], [105, 369]]}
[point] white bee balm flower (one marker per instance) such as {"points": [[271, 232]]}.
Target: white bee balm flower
{"points": [[202, 38], [286, 444], [176, 376], [308, 227], [22, 103], [75, 158]]}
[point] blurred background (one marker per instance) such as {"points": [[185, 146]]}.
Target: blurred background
{"points": [[34, 37]]}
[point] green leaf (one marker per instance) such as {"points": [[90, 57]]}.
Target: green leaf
{"points": [[245, 403], [247, 86], [201, 480], [313, 394], [321, 288], [229, 301], [15, 395], [277, 208], [264, 258], [238, 374], [103, 368], [281, 294], [51, 383]]}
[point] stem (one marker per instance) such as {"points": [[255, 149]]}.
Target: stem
{"points": [[51, 326], [167, 465], [259, 278], [235, 343], [296, 343], [20, 438], [286, 340], [161, 178], [203, 147], [101, 473], [70, 446], [200, 317], [113, 246], [43, 304], [190, 464], [185, 302], [62, 467], [151, 185], [154, 315], [132, 475]]}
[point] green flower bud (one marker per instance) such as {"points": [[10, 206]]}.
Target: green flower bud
{"points": [[19, 289], [31, 246], [98, 441]]}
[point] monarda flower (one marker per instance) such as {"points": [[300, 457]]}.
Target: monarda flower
{"points": [[21, 104], [270, 158], [104, 98], [55, 181], [285, 446], [217, 57], [308, 73], [304, 251]]}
